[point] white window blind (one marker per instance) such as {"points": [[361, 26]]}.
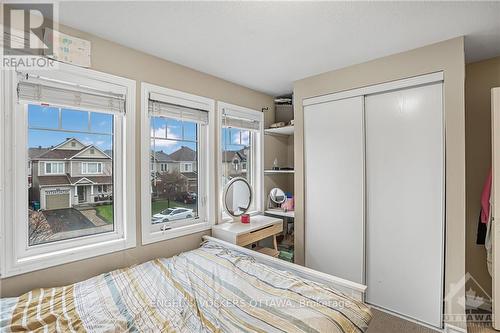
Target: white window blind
{"points": [[235, 120], [40, 90], [158, 108]]}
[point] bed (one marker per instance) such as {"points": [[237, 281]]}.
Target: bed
{"points": [[218, 287]]}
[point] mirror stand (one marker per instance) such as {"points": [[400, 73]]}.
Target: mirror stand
{"points": [[275, 198], [237, 197]]}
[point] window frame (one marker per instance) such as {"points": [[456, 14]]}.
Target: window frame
{"points": [[257, 167], [86, 164], [154, 233], [17, 256]]}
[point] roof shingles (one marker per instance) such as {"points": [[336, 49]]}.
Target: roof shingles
{"points": [[58, 154], [183, 154]]}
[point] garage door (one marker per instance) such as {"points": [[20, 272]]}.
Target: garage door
{"points": [[57, 201]]}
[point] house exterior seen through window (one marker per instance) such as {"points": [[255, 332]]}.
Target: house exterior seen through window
{"points": [[174, 176], [236, 154], [70, 192]]}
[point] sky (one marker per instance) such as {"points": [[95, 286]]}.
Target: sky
{"points": [[170, 134], [234, 139], [97, 131]]}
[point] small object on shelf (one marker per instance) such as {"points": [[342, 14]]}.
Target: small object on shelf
{"points": [[283, 100], [283, 107], [278, 124], [286, 168], [245, 218], [285, 130], [288, 205], [280, 212], [278, 171], [276, 197], [275, 164]]}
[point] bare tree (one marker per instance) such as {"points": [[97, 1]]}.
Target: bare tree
{"points": [[39, 228], [168, 184]]}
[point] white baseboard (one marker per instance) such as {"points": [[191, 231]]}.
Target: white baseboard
{"points": [[453, 329]]}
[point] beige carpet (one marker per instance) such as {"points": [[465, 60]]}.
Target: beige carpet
{"points": [[475, 328], [385, 323]]}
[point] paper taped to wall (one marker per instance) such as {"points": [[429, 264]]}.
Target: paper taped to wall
{"points": [[68, 49]]}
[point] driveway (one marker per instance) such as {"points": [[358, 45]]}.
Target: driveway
{"points": [[67, 219]]}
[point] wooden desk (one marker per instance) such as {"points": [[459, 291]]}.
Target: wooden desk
{"points": [[244, 234]]}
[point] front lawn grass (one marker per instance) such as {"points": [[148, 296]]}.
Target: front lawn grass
{"points": [[105, 212]]}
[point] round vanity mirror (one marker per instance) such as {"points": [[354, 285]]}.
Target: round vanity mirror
{"points": [[237, 196], [277, 196]]}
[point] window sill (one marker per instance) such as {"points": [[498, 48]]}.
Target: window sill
{"points": [[42, 261], [158, 236]]}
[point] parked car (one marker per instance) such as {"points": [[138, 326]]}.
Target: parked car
{"points": [[186, 197], [171, 214]]}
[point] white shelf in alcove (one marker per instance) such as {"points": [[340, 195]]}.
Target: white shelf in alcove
{"points": [[270, 172], [280, 212], [286, 130]]}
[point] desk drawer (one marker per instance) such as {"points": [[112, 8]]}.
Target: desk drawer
{"points": [[257, 235]]}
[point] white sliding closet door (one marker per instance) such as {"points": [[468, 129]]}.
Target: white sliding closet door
{"points": [[334, 176], [405, 202]]}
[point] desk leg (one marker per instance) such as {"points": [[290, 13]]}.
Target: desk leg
{"points": [[275, 243]]}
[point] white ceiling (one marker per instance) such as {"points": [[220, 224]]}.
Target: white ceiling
{"points": [[268, 45]]}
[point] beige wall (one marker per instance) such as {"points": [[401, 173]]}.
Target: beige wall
{"points": [[119, 60], [480, 78], [447, 56]]}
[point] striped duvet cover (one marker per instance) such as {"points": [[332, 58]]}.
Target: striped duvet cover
{"points": [[210, 289]]}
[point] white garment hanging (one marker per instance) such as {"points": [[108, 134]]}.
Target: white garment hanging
{"points": [[488, 241]]}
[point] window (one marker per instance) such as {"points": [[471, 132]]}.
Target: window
{"points": [[179, 139], [187, 167], [54, 203], [61, 117], [53, 168], [178, 125], [92, 167], [241, 137]]}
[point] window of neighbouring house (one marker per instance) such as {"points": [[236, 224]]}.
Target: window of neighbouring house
{"points": [[92, 167], [177, 193], [241, 135], [187, 167], [73, 136], [54, 168]]}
